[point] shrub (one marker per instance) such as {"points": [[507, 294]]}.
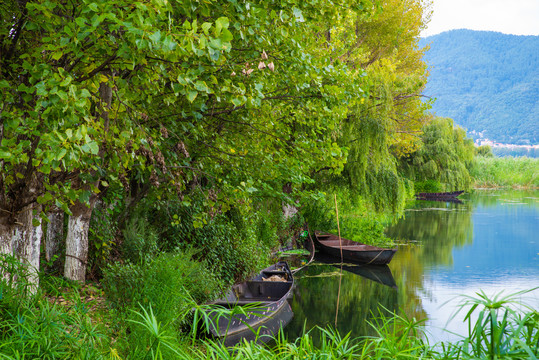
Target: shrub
{"points": [[163, 282], [357, 221], [428, 186]]}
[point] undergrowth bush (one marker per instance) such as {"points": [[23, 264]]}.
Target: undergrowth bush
{"points": [[428, 186], [234, 240], [162, 282], [35, 326]]}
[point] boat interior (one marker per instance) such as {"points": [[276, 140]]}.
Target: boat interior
{"points": [[260, 289]]}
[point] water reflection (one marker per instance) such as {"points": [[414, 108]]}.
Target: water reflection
{"points": [[317, 293], [489, 242]]}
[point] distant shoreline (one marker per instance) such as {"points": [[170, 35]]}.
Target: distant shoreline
{"points": [[506, 146]]}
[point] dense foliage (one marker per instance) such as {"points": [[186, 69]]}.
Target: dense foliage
{"points": [[486, 82], [226, 106], [445, 157]]}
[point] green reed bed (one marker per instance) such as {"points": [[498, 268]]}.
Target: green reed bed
{"points": [[506, 172]]}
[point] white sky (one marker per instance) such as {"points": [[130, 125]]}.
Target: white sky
{"points": [[519, 17]]}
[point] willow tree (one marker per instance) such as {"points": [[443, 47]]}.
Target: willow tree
{"points": [[445, 157], [386, 123]]}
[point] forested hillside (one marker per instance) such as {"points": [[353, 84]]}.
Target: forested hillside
{"points": [[487, 82]]}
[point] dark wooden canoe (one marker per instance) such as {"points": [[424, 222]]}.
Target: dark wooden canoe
{"points": [[439, 195], [353, 251], [272, 312]]}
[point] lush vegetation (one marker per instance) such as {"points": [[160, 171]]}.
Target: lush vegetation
{"points": [[164, 149], [485, 81], [508, 171]]}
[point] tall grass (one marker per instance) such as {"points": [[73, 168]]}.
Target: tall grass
{"points": [[34, 326], [505, 172], [495, 331]]}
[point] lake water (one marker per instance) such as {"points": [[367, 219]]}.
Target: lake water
{"points": [[489, 242]]}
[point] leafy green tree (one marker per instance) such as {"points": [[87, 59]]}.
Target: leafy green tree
{"points": [[484, 150]]}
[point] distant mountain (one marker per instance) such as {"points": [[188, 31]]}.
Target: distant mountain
{"points": [[487, 82]]}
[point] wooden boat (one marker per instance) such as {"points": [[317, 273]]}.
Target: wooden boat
{"points": [[439, 195], [269, 310], [353, 251]]}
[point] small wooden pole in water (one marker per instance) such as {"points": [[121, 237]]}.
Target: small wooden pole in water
{"points": [[340, 277]]}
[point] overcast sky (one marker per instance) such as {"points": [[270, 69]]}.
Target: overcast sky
{"points": [[519, 17]]}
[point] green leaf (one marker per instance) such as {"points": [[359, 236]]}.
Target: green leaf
{"points": [[221, 23], [191, 95], [226, 36], [206, 27], [156, 36], [298, 14], [60, 155], [4, 154], [94, 148], [201, 86]]}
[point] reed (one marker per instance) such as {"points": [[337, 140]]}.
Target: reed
{"points": [[519, 172]]}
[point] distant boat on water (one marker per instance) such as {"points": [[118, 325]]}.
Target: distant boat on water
{"points": [[440, 196]]}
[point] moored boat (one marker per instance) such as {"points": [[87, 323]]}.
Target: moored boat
{"points": [[439, 195], [353, 251], [268, 310]]}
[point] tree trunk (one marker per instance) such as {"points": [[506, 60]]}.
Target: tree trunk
{"points": [[77, 241], [6, 231], [26, 242], [288, 210], [6, 246], [55, 233]]}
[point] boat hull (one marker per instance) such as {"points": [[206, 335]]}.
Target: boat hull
{"points": [[353, 251], [439, 195], [268, 309]]}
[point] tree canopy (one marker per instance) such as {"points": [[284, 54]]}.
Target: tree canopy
{"points": [[242, 100]]}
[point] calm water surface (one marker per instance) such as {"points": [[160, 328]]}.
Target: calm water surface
{"points": [[490, 242]]}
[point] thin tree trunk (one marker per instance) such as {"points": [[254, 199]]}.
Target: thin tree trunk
{"points": [[79, 222], [288, 210], [55, 233], [77, 241], [6, 246]]}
